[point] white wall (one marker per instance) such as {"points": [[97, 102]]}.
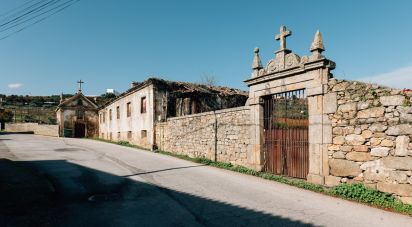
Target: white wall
{"points": [[135, 123]]}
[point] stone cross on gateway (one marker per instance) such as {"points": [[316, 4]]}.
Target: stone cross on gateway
{"points": [[282, 37]]}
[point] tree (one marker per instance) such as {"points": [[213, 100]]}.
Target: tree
{"points": [[208, 80], [29, 118], [6, 116]]}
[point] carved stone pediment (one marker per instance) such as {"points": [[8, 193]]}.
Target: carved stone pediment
{"points": [[286, 62], [291, 60], [283, 61], [273, 66]]}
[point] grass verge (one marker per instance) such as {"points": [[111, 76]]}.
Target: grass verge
{"points": [[354, 192]]}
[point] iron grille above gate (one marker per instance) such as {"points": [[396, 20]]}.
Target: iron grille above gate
{"points": [[286, 147]]}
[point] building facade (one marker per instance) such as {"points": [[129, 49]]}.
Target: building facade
{"points": [[77, 117], [132, 115]]}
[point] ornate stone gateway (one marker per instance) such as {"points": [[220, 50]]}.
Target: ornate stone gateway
{"points": [[286, 145], [289, 109]]}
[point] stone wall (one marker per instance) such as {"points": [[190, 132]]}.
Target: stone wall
{"points": [[372, 132], [222, 135], [38, 129]]}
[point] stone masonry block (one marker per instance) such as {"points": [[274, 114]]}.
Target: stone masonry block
{"points": [[330, 103], [316, 179], [402, 143], [315, 133], [393, 100]]}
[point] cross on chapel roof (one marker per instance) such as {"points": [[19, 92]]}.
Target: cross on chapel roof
{"points": [[282, 37], [80, 82]]}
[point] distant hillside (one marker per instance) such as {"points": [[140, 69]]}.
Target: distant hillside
{"points": [[40, 109]]}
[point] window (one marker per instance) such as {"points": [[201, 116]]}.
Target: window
{"points": [[143, 134], [118, 112], [129, 135], [110, 136], [104, 117], [143, 105], [129, 109], [80, 114], [110, 114], [118, 135]]}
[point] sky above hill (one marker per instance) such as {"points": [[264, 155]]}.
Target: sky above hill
{"points": [[110, 43]]}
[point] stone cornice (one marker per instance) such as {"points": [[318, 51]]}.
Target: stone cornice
{"points": [[299, 69]]}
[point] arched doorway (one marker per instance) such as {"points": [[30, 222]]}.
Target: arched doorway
{"points": [[79, 130]]}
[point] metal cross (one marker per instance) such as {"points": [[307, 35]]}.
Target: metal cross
{"points": [[282, 37], [80, 82]]}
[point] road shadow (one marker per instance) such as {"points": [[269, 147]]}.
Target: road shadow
{"points": [[9, 133], [162, 170], [60, 193]]}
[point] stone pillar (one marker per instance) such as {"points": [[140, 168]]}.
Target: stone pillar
{"points": [[320, 127], [255, 154]]}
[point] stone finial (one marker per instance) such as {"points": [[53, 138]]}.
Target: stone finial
{"points": [[257, 63], [317, 44], [282, 37]]}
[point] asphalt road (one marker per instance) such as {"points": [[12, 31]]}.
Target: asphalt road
{"points": [[91, 183]]}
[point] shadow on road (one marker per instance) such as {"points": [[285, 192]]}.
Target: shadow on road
{"points": [[59, 193], [162, 170], [9, 133]]}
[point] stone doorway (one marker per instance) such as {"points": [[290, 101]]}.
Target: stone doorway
{"points": [[286, 126], [79, 130]]}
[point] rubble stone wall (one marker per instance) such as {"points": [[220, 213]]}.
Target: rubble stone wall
{"points": [[221, 135], [371, 129], [35, 128]]}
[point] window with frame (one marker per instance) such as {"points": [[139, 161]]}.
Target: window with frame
{"points": [[110, 114], [129, 135], [143, 105], [129, 109], [118, 112]]}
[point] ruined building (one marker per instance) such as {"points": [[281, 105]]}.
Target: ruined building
{"points": [[132, 115]]}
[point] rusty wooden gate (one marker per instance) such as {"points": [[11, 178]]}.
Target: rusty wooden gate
{"points": [[286, 147]]}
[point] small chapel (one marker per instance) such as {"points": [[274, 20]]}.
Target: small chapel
{"points": [[77, 116]]}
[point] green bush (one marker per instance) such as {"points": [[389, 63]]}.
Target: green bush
{"points": [[123, 143], [361, 193]]}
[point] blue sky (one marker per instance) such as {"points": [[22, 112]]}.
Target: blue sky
{"points": [[109, 43]]}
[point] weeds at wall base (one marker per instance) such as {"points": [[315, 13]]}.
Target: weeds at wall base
{"points": [[354, 192]]}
